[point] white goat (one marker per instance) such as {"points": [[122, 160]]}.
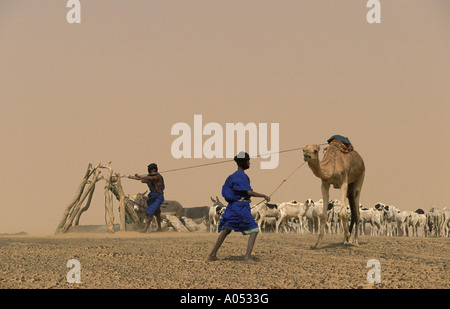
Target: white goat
{"points": [[401, 219], [316, 212], [417, 222], [446, 223], [371, 216], [265, 210], [435, 220], [333, 220], [389, 220], [289, 210]]}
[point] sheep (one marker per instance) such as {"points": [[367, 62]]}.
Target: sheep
{"points": [[435, 221], [417, 221], [371, 216], [288, 210], [446, 223], [265, 210]]}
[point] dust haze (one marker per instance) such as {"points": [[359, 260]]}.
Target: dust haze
{"points": [[112, 87]]}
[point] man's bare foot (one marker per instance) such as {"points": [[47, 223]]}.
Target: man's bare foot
{"points": [[143, 231], [251, 261], [212, 258]]}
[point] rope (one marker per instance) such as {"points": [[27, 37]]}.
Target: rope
{"points": [[279, 186], [195, 166], [225, 161], [284, 180], [229, 160]]}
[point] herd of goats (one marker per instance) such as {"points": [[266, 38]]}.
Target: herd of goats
{"points": [[384, 220], [297, 217]]}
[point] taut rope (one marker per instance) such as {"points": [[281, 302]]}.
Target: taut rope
{"points": [[229, 160], [284, 180], [226, 161]]}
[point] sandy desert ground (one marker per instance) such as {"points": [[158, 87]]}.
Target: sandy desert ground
{"points": [[178, 260]]}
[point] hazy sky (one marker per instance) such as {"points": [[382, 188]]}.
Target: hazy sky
{"points": [[112, 87]]}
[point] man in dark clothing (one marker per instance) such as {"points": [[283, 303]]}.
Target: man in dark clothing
{"points": [[155, 183], [237, 216]]}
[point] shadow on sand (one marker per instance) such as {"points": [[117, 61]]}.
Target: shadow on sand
{"points": [[239, 258], [338, 245]]}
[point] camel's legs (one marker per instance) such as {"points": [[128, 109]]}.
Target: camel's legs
{"points": [[343, 213], [354, 196], [355, 215], [323, 218]]}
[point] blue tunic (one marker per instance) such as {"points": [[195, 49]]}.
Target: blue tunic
{"points": [[154, 200], [237, 215]]}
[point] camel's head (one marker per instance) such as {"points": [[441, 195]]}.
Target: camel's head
{"points": [[311, 152]]}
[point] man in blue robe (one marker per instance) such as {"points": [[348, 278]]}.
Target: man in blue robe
{"points": [[155, 183], [237, 216]]}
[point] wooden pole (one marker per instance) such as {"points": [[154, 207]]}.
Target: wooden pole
{"points": [[108, 200], [116, 185], [88, 203], [86, 189], [77, 206], [128, 203], [76, 198]]}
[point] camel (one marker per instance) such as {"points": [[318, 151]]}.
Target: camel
{"points": [[343, 168]]}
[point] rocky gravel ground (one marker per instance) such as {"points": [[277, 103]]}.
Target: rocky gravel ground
{"points": [[172, 260]]}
